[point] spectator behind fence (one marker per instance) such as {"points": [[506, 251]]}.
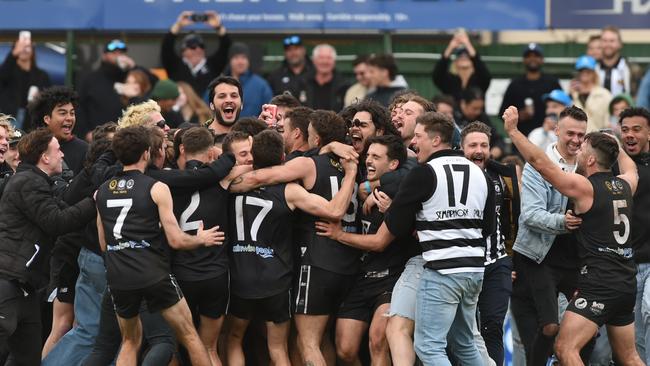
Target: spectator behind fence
{"points": [[292, 74], [594, 47], [325, 86], [525, 92], [613, 69], [99, 99], [469, 71], [190, 106], [193, 66], [589, 96], [358, 90], [20, 78], [472, 108], [256, 90], [137, 87], [384, 80], [165, 94]]}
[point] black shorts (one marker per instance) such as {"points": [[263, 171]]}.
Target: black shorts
{"points": [[368, 293], [607, 307], [208, 297], [63, 278], [320, 292], [158, 296], [276, 308], [540, 285]]}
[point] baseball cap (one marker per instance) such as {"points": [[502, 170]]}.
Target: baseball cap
{"points": [[558, 95], [585, 62], [115, 45], [165, 89], [15, 136], [533, 48], [294, 40], [193, 40]]}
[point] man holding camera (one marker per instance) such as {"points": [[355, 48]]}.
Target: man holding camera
{"points": [[192, 65]]}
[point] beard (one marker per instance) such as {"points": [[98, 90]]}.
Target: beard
{"points": [[219, 118], [533, 67]]}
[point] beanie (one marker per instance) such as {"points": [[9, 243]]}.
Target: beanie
{"points": [[238, 48], [165, 89]]}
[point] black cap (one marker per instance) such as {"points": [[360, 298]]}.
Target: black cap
{"points": [[533, 48], [193, 40]]}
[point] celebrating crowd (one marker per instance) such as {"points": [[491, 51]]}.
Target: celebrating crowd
{"points": [[220, 217]]}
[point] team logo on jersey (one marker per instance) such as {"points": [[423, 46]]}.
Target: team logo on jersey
{"points": [[121, 184], [497, 188], [112, 184], [581, 303], [335, 163], [597, 307], [129, 184]]}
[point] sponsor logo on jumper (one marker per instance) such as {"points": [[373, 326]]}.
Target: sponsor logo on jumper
{"points": [[121, 184], [459, 213], [264, 252], [112, 184], [597, 307], [625, 253], [581, 303], [129, 184], [128, 245]]}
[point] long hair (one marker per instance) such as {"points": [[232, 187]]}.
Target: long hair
{"points": [[196, 104]]}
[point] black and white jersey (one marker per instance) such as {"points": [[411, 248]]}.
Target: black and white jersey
{"points": [[450, 223], [136, 254], [496, 243], [209, 206], [320, 251], [260, 245], [605, 248]]}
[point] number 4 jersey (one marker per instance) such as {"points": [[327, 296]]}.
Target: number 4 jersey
{"points": [[136, 254], [261, 246], [604, 237]]}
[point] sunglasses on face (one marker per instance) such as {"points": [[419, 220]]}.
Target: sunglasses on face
{"points": [[116, 46], [161, 124], [292, 41], [356, 123]]}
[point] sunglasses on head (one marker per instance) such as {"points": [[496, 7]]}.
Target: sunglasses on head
{"points": [[115, 46], [161, 124], [292, 41]]}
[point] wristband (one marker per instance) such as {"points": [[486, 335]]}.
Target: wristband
{"points": [[366, 185]]}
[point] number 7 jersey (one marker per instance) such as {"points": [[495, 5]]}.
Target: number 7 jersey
{"points": [[604, 236], [136, 254]]}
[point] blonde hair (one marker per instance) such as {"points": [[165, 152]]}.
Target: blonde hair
{"points": [[138, 114], [6, 121], [196, 104]]}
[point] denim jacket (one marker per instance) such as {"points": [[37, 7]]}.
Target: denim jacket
{"points": [[542, 211]]}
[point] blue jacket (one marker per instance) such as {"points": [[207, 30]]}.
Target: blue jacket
{"points": [[256, 92], [542, 212]]}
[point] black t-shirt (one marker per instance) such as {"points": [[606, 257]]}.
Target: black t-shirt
{"points": [[320, 251], [393, 257], [210, 206], [136, 254], [605, 242], [260, 243], [520, 89], [74, 152]]}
